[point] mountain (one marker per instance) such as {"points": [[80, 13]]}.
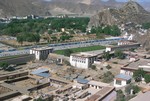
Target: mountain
{"points": [[21, 7], [130, 12], [130, 15], [55, 7]]}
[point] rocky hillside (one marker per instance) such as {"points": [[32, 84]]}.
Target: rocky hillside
{"points": [[21, 7], [130, 12], [55, 7]]}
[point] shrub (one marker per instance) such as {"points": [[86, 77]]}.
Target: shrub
{"points": [[108, 67], [93, 67], [108, 77], [147, 78], [135, 88]]}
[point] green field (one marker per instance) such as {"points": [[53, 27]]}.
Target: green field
{"points": [[82, 49], [11, 57]]}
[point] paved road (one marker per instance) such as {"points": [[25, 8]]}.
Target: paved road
{"points": [[61, 46]]}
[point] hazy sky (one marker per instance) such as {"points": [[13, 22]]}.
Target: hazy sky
{"points": [[135, 0], [122, 0]]}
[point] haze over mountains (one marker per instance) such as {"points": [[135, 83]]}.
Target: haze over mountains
{"points": [[55, 7]]}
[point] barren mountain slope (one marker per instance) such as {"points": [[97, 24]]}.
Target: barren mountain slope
{"points": [[130, 12], [21, 7]]}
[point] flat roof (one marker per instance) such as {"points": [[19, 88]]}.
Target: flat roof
{"points": [[42, 48], [41, 70], [83, 54], [101, 94], [124, 77], [141, 63], [142, 97], [46, 75], [96, 83], [82, 81]]}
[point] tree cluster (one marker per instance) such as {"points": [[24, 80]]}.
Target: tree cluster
{"points": [[29, 37], [119, 54], [130, 87], [146, 25], [139, 74], [106, 30], [43, 25]]}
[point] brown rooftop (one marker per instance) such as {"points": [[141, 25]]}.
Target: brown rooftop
{"points": [[101, 94], [141, 63]]}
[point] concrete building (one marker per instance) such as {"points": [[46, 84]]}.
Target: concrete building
{"points": [[142, 97], [122, 46], [121, 80], [41, 53], [82, 60], [105, 92], [128, 69]]}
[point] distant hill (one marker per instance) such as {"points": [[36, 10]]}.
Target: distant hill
{"points": [[130, 12], [21, 8], [55, 7]]}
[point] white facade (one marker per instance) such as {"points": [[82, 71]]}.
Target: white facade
{"points": [[81, 60], [41, 53], [120, 83], [122, 80], [108, 49], [126, 72]]}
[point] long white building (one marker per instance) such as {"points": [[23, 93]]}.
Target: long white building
{"points": [[82, 60]]}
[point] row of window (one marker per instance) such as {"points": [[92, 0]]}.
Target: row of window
{"points": [[76, 60]]}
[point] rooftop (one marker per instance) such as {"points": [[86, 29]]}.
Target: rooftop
{"points": [[98, 83], [141, 63], [84, 54], [41, 70], [142, 97], [122, 76], [45, 75], [100, 94], [82, 81], [42, 48]]}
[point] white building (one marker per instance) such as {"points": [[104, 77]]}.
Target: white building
{"points": [[41, 53], [121, 80], [82, 60]]}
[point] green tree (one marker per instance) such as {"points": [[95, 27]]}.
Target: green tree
{"points": [[108, 77], [130, 87], [120, 96], [108, 67], [36, 37], [138, 75], [147, 78], [54, 38], [119, 54], [68, 52], [50, 32], [106, 55], [3, 65], [20, 39]]}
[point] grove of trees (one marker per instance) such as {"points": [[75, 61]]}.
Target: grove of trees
{"points": [[119, 54], [28, 37], [43, 25], [106, 30]]}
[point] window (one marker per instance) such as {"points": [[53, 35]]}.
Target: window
{"points": [[118, 82]]}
